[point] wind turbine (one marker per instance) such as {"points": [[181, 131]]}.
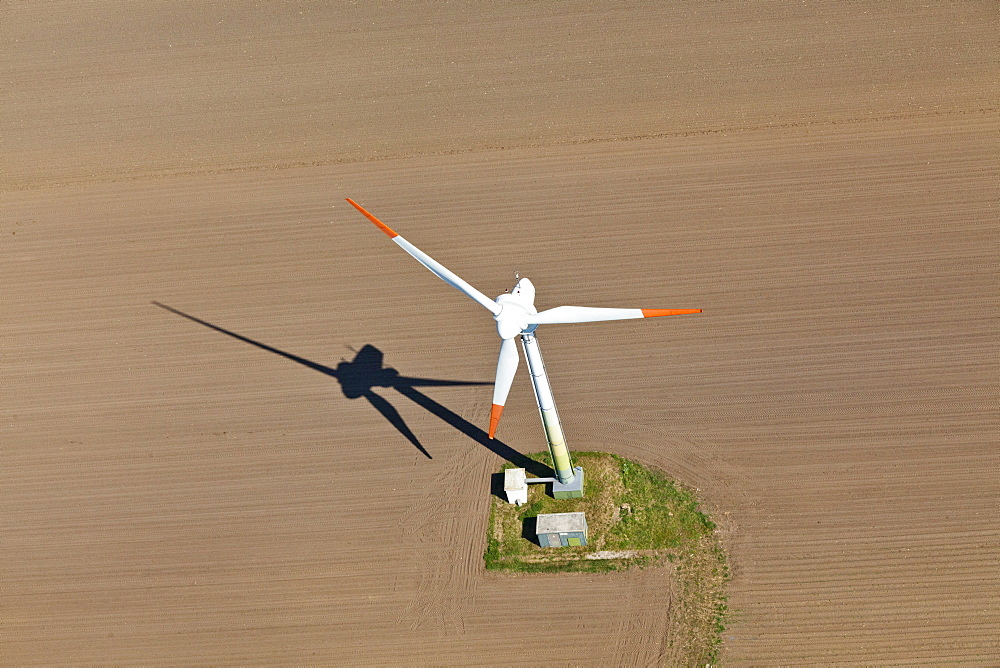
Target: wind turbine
{"points": [[515, 315]]}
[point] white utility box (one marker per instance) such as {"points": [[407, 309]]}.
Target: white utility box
{"points": [[515, 486]]}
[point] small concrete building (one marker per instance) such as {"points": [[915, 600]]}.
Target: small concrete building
{"points": [[561, 529], [514, 486]]}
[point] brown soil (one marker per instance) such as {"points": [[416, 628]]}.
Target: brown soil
{"points": [[820, 178]]}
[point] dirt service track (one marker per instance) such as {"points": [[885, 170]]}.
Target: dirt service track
{"points": [[821, 180]]}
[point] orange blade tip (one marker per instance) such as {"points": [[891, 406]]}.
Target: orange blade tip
{"points": [[378, 223], [495, 418], [656, 312]]}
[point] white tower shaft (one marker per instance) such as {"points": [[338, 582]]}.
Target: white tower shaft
{"points": [[547, 408]]}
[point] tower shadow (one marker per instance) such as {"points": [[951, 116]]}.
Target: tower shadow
{"points": [[366, 371]]}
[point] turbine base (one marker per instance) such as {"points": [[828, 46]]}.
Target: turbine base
{"points": [[569, 490]]}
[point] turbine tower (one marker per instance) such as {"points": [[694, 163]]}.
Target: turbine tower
{"points": [[515, 315]]}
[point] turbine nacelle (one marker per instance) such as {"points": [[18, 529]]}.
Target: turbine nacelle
{"points": [[515, 308]]}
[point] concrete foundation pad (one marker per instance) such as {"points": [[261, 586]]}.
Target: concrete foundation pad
{"points": [[571, 490]]}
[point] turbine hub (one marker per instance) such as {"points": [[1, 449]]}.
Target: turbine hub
{"points": [[512, 318]]}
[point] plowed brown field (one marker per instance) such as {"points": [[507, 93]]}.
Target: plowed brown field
{"points": [[821, 179]]}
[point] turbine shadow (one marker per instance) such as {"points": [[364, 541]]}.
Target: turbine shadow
{"points": [[366, 371]]}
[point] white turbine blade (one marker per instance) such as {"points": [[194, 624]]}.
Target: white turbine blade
{"points": [[568, 314], [433, 265], [506, 368], [446, 275]]}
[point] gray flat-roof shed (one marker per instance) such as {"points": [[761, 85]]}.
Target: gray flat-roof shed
{"points": [[561, 529]]}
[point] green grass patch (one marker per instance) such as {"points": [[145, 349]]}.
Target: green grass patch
{"points": [[630, 509]]}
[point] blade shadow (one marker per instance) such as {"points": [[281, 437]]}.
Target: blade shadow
{"points": [[475, 433], [366, 371], [390, 413]]}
